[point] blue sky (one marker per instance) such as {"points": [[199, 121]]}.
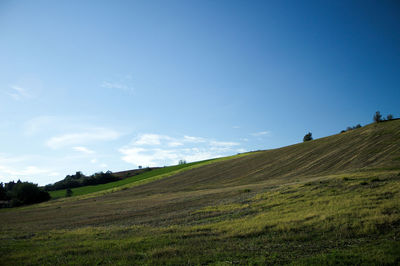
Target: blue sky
{"points": [[109, 85]]}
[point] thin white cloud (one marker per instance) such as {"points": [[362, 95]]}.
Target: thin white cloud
{"points": [[116, 85], [159, 150], [18, 93], [193, 139], [150, 139], [91, 135], [83, 150], [223, 143], [22, 167], [137, 156], [262, 133], [38, 124], [54, 174], [27, 171], [175, 144], [160, 157]]}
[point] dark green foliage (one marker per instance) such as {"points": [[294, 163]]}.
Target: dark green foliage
{"points": [[377, 117], [182, 162], [389, 117], [351, 128], [80, 180], [22, 193], [3, 195], [68, 192], [307, 137]]}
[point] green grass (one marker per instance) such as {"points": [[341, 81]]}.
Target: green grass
{"points": [[327, 202], [329, 220], [137, 179], [146, 175]]}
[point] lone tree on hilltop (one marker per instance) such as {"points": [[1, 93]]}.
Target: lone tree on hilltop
{"points": [[308, 137], [377, 117]]}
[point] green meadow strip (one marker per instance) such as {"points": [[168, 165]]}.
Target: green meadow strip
{"points": [[137, 180]]}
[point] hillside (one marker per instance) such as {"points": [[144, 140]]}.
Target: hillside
{"points": [[328, 200]]}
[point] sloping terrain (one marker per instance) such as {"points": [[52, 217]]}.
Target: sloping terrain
{"points": [[334, 199]]}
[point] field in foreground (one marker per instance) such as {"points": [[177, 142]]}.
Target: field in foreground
{"points": [[328, 201]]}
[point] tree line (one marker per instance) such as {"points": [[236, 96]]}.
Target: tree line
{"points": [[377, 118], [80, 180], [14, 194]]}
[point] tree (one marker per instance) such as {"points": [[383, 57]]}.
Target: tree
{"points": [[307, 137], [68, 192], [389, 117], [27, 193], [3, 195], [182, 161], [377, 117]]}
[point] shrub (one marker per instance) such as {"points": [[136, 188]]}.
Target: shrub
{"points": [[27, 193], [389, 117], [307, 137], [68, 192], [377, 117], [3, 195]]}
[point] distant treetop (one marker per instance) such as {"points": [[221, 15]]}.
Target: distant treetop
{"points": [[308, 137], [377, 117]]}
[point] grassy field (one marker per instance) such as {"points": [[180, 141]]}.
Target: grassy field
{"points": [[334, 200], [126, 182]]}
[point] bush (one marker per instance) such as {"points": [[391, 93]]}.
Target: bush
{"points": [[80, 180], [351, 128], [389, 117], [3, 195], [68, 192], [308, 137], [377, 117], [26, 193]]}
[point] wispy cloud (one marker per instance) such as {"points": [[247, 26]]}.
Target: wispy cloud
{"points": [[18, 93], [27, 166], [27, 171], [150, 139], [38, 124], [223, 143], [89, 136], [83, 150], [262, 133], [156, 150], [116, 85], [193, 139]]}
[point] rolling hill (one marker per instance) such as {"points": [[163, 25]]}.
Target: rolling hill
{"points": [[334, 199]]}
